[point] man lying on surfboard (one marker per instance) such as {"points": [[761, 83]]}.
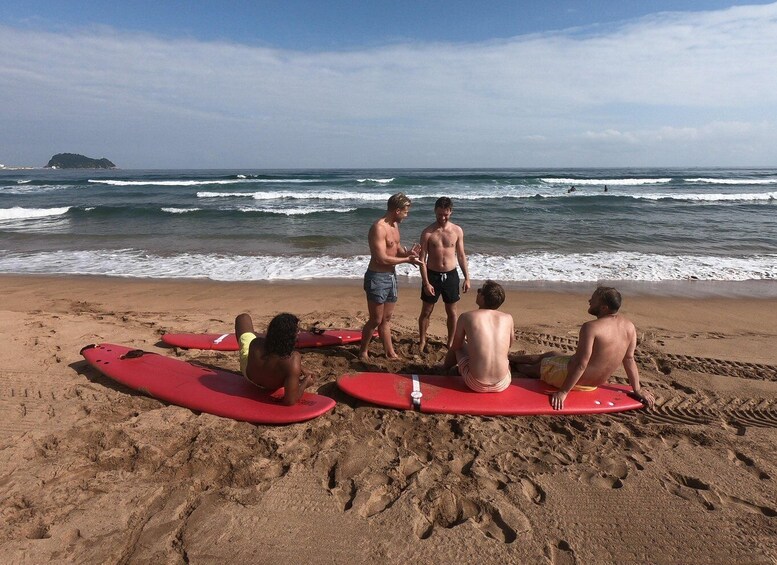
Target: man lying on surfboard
{"points": [[481, 342], [270, 362], [603, 345]]}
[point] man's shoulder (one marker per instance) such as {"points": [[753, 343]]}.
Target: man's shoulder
{"points": [[430, 229], [379, 226]]}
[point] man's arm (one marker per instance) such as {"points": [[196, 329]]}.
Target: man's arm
{"points": [[459, 335], [632, 372], [424, 256], [297, 380], [577, 366], [462, 257]]}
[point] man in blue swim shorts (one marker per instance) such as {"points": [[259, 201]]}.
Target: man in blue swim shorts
{"points": [[380, 280], [442, 249]]}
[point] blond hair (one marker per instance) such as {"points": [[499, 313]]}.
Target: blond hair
{"points": [[398, 200]]}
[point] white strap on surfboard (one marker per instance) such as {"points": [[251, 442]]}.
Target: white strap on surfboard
{"points": [[221, 338], [416, 395]]}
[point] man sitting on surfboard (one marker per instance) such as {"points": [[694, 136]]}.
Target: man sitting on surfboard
{"points": [[481, 342], [270, 362], [604, 344]]}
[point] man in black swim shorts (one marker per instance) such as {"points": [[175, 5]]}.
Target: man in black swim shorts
{"points": [[442, 249]]}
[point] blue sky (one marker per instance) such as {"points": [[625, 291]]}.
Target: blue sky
{"points": [[390, 84]]}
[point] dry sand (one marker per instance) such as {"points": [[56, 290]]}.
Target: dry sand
{"points": [[92, 472]]}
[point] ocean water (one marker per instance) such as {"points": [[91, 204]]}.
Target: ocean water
{"points": [[521, 225]]}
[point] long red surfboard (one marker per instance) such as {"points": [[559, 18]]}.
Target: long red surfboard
{"points": [[228, 341], [440, 394], [222, 393]]}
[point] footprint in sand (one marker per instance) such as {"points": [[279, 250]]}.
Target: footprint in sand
{"points": [[601, 480], [691, 488], [561, 553], [532, 491], [742, 460]]}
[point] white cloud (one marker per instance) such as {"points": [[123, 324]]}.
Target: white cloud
{"points": [[658, 90]]}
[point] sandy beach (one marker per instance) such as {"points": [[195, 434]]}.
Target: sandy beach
{"points": [[93, 472]]}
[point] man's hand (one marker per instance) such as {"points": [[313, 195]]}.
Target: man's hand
{"points": [[415, 250], [465, 285], [646, 397], [429, 289], [557, 399]]}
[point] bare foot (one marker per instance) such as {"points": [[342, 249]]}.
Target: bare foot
{"points": [[392, 355], [364, 357], [423, 347]]}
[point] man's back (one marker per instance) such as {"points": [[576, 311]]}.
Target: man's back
{"points": [[610, 339], [270, 371], [489, 335]]}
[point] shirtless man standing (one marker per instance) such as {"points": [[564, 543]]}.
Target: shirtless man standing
{"points": [[380, 280], [270, 362], [481, 342], [604, 344], [442, 245]]}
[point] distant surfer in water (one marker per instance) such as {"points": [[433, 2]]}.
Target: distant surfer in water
{"points": [[603, 345], [481, 342], [270, 362], [380, 280], [442, 248]]}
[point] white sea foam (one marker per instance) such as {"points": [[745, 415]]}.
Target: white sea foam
{"points": [[22, 181], [733, 181], [289, 195], [582, 267], [33, 188], [182, 182], [164, 182], [179, 210], [379, 181], [613, 182], [718, 197], [295, 211], [17, 213]]}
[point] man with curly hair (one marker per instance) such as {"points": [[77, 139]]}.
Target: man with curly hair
{"points": [[270, 361]]}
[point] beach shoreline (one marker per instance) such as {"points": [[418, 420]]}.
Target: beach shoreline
{"points": [[691, 289], [94, 472]]}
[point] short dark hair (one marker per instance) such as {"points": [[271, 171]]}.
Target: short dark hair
{"points": [[281, 335], [609, 297], [493, 294], [397, 201], [444, 202]]}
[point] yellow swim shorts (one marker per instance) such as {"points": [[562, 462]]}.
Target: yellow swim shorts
{"points": [[245, 342], [553, 370]]}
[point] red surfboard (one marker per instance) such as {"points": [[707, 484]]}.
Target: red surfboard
{"points": [[228, 341], [441, 394], [199, 388]]}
